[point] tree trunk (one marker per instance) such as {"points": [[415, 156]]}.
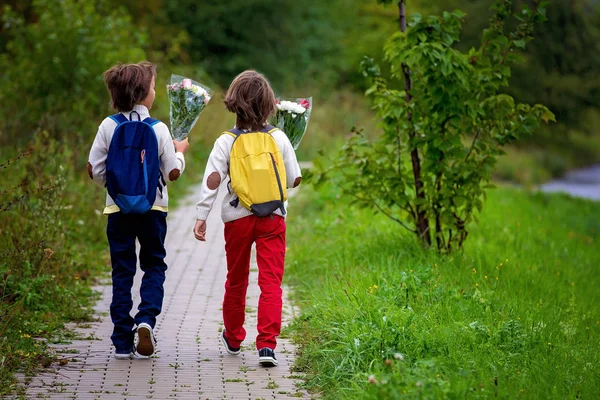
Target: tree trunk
{"points": [[422, 221]]}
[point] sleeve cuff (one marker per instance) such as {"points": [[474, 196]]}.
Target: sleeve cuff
{"points": [[181, 158], [202, 214]]}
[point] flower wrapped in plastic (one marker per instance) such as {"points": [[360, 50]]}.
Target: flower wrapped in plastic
{"points": [[187, 99], [292, 118]]}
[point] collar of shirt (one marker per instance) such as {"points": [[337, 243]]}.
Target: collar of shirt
{"points": [[243, 130], [138, 108]]}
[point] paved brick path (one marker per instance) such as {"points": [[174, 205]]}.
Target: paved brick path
{"points": [[190, 362]]}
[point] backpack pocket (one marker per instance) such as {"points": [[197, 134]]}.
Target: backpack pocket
{"points": [[266, 209], [133, 204]]}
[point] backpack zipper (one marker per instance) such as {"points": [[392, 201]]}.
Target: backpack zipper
{"points": [[143, 155]]}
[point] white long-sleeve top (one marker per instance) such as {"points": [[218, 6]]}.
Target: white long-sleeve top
{"points": [[169, 159], [218, 161]]}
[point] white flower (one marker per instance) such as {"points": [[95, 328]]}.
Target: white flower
{"points": [[198, 90], [399, 356], [291, 107]]}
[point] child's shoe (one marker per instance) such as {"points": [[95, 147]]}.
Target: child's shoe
{"points": [[124, 354], [266, 357], [145, 340], [231, 350]]}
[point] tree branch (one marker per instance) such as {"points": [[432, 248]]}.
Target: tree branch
{"points": [[472, 144], [446, 121], [422, 221], [5, 164], [392, 218]]}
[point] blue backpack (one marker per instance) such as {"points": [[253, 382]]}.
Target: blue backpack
{"points": [[133, 165]]}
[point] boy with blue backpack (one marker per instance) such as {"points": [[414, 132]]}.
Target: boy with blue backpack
{"points": [[134, 157]]}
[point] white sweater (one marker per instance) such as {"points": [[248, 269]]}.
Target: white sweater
{"points": [[169, 159], [218, 161]]}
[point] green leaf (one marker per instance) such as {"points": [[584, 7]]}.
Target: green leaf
{"points": [[520, 43], [459, 14]]}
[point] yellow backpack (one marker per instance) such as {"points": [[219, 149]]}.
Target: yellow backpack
{"points": [[257, 171]]}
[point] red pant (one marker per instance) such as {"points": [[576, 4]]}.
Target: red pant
{"points": [[269, 235]]}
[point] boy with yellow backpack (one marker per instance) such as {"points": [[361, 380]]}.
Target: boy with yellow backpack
{"points": [[261, 164]]}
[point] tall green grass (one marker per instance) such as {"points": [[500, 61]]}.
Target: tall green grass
{"points": [[516, 315]]}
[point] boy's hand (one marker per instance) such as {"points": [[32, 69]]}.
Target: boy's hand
{"points": [[181, 147], [200, 230]]}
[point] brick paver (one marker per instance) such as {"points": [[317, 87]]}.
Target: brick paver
{"points": [[190, 362]]}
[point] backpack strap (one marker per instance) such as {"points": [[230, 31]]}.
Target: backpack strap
{"points": [[151, 121], [161, 179], [233, 133], [119, 118]]}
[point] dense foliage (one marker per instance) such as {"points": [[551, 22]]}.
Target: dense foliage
{"points": [[280, 38], [52, 69], [302, 46]]}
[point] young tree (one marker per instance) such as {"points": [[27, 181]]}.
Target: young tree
{"points": [[441, 134]]}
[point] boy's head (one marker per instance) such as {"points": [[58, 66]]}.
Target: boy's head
{"points": [[131, 84], [251, 98]]}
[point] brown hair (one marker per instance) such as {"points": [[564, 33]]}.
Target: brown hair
{"points": [[251, 98], [129, 84]]}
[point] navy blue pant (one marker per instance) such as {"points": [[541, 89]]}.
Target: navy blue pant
{"points": [[150, 229]]}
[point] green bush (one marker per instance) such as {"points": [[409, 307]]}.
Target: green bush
{"points": [[52, 67], [51, 249]]}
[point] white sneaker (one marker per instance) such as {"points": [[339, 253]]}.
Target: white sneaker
{"points": [[123, 356], [145, 341]]}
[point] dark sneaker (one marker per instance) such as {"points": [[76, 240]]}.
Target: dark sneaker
{"points": [[145, 343], [231, 350], [266, 357]]}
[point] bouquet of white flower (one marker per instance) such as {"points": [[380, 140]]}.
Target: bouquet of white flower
{"points": [[187, 99], [292, 118]]}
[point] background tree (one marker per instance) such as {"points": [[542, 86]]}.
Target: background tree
{"points": [[52, 67], [443, 132], [291, 42]]}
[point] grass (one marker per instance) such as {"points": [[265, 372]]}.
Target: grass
{"points": [[516, 315]]}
